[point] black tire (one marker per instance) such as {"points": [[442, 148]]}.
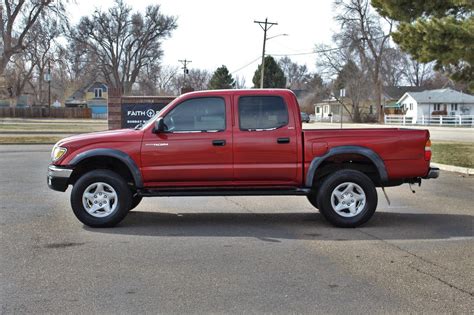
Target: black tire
{"points": [[313, 195], [365, 209], [136, 199], [313, 198], [122, 203]]}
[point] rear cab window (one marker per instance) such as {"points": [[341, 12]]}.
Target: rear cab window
{"points": [[259, 113]]}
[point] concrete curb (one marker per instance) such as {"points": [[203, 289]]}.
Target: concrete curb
{"points": [[452, 168]]}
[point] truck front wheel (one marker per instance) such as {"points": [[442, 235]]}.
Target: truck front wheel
{"points": [[101, 198], [347, 198], [136, 199]]}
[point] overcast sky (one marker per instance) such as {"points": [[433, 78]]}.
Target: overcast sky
{"points": [[212, 33]]}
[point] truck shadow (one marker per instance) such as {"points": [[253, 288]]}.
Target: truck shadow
{"points": [[273, 227]]}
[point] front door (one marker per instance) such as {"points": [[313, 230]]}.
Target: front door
{"points": [[265, 142], [195, 149]]}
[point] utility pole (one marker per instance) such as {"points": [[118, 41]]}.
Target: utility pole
{"points": [[265, 27], [185, 70]]}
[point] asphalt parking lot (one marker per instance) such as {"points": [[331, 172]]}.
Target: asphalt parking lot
{"points": [[232, 255]]}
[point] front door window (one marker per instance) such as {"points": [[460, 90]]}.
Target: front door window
{"points": [[197, 115]]}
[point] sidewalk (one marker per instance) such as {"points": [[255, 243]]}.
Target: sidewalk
{"points": [[452, 168]]}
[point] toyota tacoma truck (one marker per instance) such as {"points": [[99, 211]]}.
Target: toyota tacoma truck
{"points": [[236, 143]]}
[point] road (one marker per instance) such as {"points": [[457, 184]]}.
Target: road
{"points": [[232, 255]]}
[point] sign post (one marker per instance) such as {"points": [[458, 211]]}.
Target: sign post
{"points": [[342, 94]]}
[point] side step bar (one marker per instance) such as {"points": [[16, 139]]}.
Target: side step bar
{"points": [[189, 192]]}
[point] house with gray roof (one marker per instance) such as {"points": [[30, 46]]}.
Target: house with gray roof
{"points": [[425, 104]]}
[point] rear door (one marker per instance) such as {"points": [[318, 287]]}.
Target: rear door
{"points": [[265, 141]]}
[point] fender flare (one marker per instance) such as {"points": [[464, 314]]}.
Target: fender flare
{"points": [[119, 155], [368, 153]]}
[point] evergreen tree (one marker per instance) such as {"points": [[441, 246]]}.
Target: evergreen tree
{"points": [[273, 76], [435, 30], [221, 79]]}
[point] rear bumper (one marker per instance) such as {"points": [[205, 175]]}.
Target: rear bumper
{"points": [[432, 173], [58, 177]]}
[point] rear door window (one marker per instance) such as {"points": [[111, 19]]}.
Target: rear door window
{"points": [[257, 113]]}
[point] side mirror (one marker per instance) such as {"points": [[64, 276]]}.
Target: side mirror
{"points": [[159, 125]]}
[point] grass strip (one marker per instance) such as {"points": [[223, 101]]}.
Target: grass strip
{"points": [[453, 153], [30, 139]]}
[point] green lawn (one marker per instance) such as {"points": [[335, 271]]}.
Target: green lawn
{"points": [[453, 153]]}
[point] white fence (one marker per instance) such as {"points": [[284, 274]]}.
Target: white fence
{"points": [[456, 120]]}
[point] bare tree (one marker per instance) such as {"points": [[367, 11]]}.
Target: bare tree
{"points": [[197, 79], [17, 19], [164, 79], [317, 91], [356, 82], [417, 73], [124, 42], [363, 31], [157, 80], [239, 82], [296, 75], [440, 80], [79, 64], [393, 67], [346, 70], [43, 49], [19, 73], [28, 67], [330, 61]]}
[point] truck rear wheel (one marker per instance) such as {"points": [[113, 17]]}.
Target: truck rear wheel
{"points": [[101, 198], [347, 198]]}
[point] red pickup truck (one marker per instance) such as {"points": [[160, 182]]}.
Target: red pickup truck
{"points": [[236, 142]]}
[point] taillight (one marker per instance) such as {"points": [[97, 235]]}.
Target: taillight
{"points": [[428, 150]]}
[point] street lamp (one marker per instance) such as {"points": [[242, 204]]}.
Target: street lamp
{"points": [[268, 38]]}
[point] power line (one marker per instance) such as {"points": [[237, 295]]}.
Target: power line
{"points": [[314, 52], [292, 54], [246, 65], [299, 54]]}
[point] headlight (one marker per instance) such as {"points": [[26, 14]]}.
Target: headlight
{"points": [[57, 153]]}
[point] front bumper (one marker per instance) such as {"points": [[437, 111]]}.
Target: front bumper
{"points": [[58, 177], [432, 173]]}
